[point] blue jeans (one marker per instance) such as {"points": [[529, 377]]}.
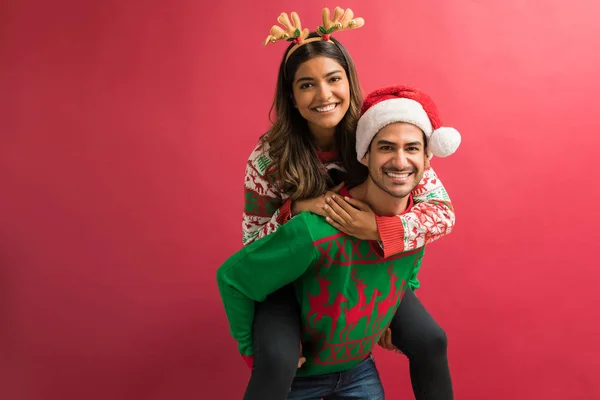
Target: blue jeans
{"points": [[359, 383]]}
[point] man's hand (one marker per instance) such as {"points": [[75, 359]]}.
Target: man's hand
{"points": [[351, 216], [385, 341], [302, 359]]}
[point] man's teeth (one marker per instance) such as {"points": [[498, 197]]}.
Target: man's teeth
{"points": [[326, 108], [399, 176]]}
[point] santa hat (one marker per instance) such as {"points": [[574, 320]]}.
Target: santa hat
{"points": [[404, 104]]}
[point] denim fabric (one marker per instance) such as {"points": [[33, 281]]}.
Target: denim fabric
{"points": [[359, 383]]}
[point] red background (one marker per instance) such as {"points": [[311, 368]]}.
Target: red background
{"points": [[124, 130]]}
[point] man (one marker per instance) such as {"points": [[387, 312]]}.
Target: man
{"points": [[348, 292]]}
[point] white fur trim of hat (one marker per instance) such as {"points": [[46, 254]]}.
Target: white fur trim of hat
{"points": [[404, 104]]}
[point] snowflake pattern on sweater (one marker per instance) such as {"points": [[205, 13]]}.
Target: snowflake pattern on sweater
{"points": [[266, 207]]}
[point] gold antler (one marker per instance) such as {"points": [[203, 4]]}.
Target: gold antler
{"points": [[293, 32], [341, 20]]}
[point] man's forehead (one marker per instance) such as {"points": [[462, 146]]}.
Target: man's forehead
{"points": [[399, 132]]}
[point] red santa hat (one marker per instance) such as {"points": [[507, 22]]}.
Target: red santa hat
{"points": [[404, 104]]}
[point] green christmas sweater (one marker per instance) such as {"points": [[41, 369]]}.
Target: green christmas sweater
{"points": [[348, 291]]}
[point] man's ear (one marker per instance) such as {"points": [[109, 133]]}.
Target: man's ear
{"points": [[365, 160], [428, 157]]}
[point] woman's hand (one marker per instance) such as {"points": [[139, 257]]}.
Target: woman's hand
{"points": [[351, 216], [316, 205]]}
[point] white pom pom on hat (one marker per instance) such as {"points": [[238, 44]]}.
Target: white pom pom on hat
{"points": [[444, 141], [404, 104]]}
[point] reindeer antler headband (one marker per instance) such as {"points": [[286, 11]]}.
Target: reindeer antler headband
{"points": [[342, 20]]}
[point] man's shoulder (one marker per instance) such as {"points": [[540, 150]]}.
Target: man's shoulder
{"points": [[316, 225], [309, 219], [295, 234]]}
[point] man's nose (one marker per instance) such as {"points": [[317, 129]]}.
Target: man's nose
{"points": [[400, 161]]}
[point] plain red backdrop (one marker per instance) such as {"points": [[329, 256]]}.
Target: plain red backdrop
{"points": [[124, 130]]}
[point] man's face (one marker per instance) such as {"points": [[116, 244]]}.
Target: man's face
{"points": [[396, 159]]}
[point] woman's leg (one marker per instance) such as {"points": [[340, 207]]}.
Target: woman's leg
{"points": [[276, 345], [416, 334]]}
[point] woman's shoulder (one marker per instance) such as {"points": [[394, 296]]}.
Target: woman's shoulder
{"points": [[260, 159]]}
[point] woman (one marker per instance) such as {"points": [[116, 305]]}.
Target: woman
{"points": [[310, 148]]}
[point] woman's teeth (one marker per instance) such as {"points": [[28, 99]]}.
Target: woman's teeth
{"points": [[326, 108]]}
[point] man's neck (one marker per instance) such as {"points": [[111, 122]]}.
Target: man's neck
{"points": [[380, 202]]}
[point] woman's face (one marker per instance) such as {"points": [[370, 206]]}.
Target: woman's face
{"points": [[321, 93]]}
